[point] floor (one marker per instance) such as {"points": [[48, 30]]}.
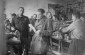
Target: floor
{"points": [[52, 52]]}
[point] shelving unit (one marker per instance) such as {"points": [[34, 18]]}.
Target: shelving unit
{"points": [[78, 5]]}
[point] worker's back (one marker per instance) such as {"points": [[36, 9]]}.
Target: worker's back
{"points": [[79, 29]]}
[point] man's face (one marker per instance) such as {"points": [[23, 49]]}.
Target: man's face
{"points": [[12, 16], [20, 11], [49, 15], [39, 14], [34, 16]]}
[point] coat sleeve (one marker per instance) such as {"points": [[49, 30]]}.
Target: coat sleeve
{"points": [[50, 26], [46, 31], [13, 22], [69, 28]]}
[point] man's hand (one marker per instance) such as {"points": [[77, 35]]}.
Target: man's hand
{"points": [[33, 28], [12, 28], [38, 31], [60, 28]]}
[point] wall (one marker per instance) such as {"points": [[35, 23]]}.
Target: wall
{"points": [[30, 6]]}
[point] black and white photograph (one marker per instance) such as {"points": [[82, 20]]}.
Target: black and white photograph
{"points": [[42, 27]]}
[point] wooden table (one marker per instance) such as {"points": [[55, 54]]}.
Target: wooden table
{"points": [[59, 43]]}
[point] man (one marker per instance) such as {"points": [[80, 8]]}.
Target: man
{"points": [[33, 19], [77, 28], [20, 23]]}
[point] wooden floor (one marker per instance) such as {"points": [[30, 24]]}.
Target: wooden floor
{"points": [[52, 51]]}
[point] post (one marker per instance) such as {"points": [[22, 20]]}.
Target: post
{"points": [[2, 29]]}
